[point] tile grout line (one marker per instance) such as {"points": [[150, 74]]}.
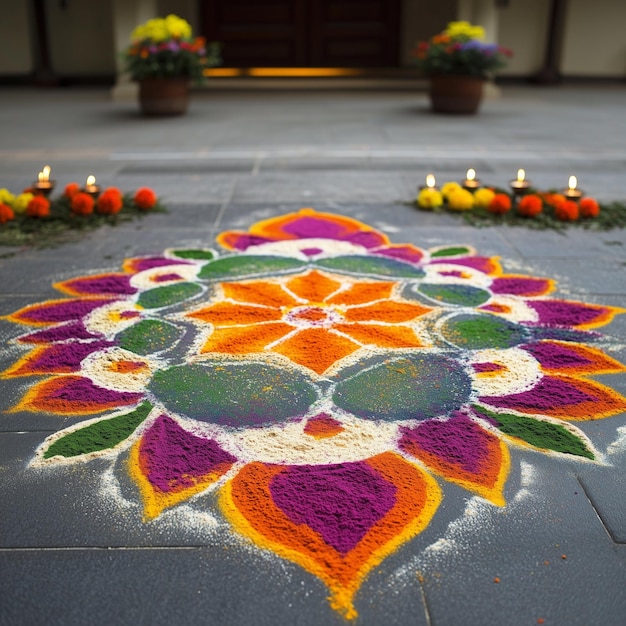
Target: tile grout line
{"points": [[597, 512], [99, 548], [425, 603], [224, 205]]}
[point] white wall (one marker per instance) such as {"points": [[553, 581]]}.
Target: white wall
{"points": [[15, 38], [81, 37], [595, 38], [523, 27]]}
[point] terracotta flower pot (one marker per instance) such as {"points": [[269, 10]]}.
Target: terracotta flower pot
{"points": [[456, 94], [164, 96]]}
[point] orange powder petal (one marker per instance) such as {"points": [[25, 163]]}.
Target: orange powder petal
{"points": [[127, 367], [248, 504], [259, 292], [381, 336], [313, 286], [245, 339], [228, 314], [386, 311], [323, 426], [362, 293], [316, 348]]}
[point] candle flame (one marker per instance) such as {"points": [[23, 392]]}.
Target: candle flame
{"points": [[44, 175], [521, 175], [430, 181], [91, 180], [40, 177], [471, 174], [573, 182]]}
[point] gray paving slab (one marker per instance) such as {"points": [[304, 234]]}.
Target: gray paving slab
{"points": [[73, 545]]}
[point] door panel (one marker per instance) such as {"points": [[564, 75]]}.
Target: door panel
{"points": [[304, 33]]}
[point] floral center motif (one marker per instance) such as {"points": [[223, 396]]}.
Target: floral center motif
{"points": [[313, 317]]}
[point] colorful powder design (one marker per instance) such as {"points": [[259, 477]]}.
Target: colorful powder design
{"points": [[323, 381]]}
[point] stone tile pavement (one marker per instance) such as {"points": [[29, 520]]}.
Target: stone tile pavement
{"points": [[71, 551]]}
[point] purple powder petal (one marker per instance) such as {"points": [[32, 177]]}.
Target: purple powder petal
{"points": [[556, 356], [64, 332], [402, 253], [243, 241], [62, 311], [481, 263], [457, 440], [113, 284], [147, 263], [75, 389], [65, 357], [564, 313], [340, 502], [519, 286], [175, 459], [545, 395], [163, 278], [311, 251], [369, 239]]}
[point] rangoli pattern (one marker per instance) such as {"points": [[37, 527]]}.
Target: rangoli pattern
{"points": [[324, 381]]}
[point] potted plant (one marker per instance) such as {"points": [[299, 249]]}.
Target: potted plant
{"points": [[164, 58], [458, 62]]}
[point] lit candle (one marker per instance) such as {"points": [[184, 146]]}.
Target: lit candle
{"points": [[471, 182], [90, 186], [431, 183], [43, 184], [572, 192], [520, 185]]}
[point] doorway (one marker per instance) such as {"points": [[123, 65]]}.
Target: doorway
{"points": [[304, 33]]}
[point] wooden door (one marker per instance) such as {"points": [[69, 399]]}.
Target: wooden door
{"points": [[304, 33]]}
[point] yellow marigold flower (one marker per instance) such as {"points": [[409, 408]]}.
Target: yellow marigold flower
{"points": [[465, 29], [20, 202], [178, 27], [6, 197], [483, 197], [448, 188], [429, 198], [460, 200]]}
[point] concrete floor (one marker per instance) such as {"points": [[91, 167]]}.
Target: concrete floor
{"points": [[69, 555]]}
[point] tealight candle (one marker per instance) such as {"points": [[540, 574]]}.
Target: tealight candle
{"points": [[43, 184], [572, 192], [471, 182], [520, 185], [90, 187], [431, 183]]}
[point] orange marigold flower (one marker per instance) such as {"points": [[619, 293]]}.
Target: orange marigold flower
{"points": [[441, 39], [530, 205], [6, 213], [145, 198], [500, 204], [110, 202], [71, 189], [39, 206], [589, 207], [82, 203], [567, 211], [553, 199]]}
